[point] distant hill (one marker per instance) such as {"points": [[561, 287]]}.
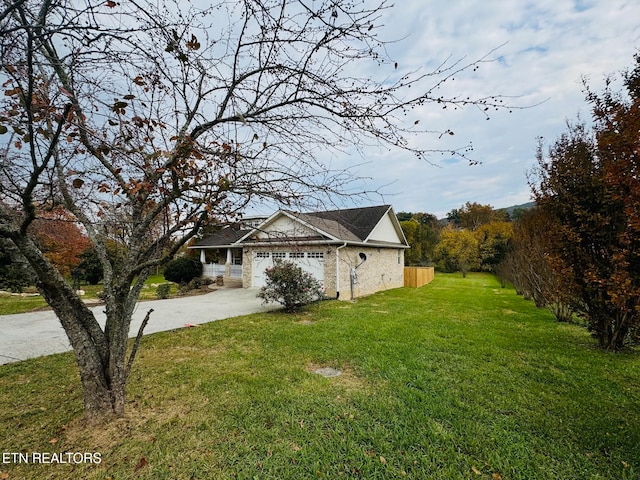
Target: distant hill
{"points": [[443, 221], [509, 210], [522, 206]]}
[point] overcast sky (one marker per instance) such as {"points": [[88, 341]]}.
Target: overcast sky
{"points": [[548, 46]]}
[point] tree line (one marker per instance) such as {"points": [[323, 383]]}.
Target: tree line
{"points": [[577, 252], [472, 237]]}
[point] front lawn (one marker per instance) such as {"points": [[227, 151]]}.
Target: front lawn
{"points": [[459, 379], [28, 303]]}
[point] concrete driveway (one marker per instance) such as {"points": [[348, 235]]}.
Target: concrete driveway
{"points": [[30, 335]]}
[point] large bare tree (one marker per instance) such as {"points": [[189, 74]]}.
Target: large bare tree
{"points": [[147, 119]]}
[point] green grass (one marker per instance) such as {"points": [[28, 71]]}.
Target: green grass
{"points": [[459, 379], [17, 304]]}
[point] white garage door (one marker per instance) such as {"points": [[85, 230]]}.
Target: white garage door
{"points": [[312, 262]]}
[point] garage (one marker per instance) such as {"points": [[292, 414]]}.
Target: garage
{"points": [[311, 262], [327, 244]]}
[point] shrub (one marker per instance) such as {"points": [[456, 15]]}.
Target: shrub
{"points": [[162, 290], [182, 270], [184, 288], [13, 278], [15, 273], [290, 286], [90, 268]]}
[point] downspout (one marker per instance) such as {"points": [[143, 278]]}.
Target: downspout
{"points": [[338, 270]]}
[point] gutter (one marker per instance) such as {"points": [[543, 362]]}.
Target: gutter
{"points": [[280, 243]]}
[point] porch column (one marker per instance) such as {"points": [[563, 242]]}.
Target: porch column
{"points": [[227, 266], [203, 257]]}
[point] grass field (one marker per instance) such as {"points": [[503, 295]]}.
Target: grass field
{"points": [[459, 379], [18, 304]]}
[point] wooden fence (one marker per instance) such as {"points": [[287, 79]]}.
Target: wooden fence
{"points": [[418, 276]]}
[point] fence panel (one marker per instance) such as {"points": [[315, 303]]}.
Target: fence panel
{"points": [[415, 277]]}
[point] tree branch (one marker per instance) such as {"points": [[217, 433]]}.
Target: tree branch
{"points": [[136, 343]]}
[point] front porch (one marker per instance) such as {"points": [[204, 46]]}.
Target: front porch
{"points": [[230, 271]]}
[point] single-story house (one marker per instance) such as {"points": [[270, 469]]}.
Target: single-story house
{"points": [[353, 252]]}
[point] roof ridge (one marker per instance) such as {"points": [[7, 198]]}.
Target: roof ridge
{"points": [[385, 206]]}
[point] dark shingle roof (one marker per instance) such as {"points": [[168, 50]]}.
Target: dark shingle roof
{"points": [[358, 221], [224, 237], [349, 225], [332, 227]]}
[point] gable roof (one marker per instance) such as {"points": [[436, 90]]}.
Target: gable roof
{"points": [[353, 225], [360, 222], [327, 228]]}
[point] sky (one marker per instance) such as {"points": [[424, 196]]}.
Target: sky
{"points": [[544, 49]]}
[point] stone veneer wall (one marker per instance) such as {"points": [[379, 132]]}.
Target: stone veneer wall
{"points": [[247, 266]]}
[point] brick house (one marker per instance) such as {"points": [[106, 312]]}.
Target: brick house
{"points": [[353, 252]]}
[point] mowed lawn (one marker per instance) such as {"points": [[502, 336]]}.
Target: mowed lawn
{"points": [[459, 379], [27, 303]]}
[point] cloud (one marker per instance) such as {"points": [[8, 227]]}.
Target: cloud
{"points": [[546, 48]]}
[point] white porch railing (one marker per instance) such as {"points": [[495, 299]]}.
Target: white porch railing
{"points": [[236, 271], [212, 269], [216, 269]]}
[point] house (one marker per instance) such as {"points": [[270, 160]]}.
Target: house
{"points": [[353, 252]]}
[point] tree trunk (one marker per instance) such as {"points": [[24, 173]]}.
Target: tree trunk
{"points": [[102, 400], [102, 376], [100, 362], [615, 333]]}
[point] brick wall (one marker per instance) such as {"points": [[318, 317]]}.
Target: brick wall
{"points": [[383, 269]]}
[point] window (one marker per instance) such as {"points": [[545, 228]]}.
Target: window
{"points": [[262, 254], [296, 254], [399, 256], [279, 255], [315, 255]]}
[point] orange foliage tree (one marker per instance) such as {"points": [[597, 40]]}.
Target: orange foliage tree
{"points": [[528, 266], [590, 183], [60, 238]]}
